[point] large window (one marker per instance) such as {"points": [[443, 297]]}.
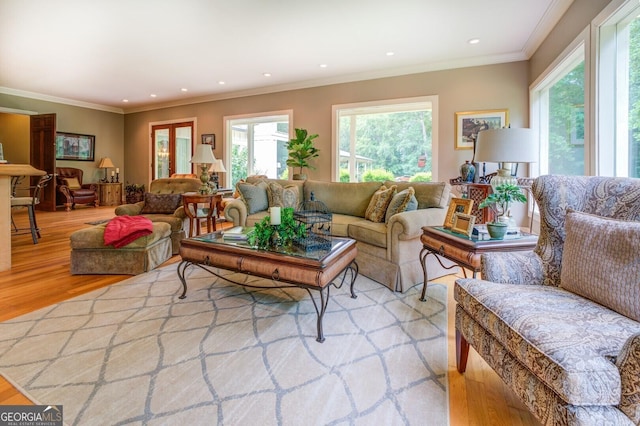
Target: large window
{"points": [[558, 115], [387, 140], [257, 145], [618, 103]]}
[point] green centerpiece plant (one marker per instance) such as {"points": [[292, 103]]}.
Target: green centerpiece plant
{"points": [[499, 202], [301, 150], [265, 235]]}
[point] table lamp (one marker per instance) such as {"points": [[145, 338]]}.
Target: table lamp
{"points": [[204, 156], [105, 163], [217, 167], [505, 146]]}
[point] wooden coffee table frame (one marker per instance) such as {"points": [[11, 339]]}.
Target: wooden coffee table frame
{"points": [[284, 270], [465, 252]]}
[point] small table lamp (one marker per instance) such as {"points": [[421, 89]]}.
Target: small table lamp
{"points": [[204, 156], [505, 146], [217, 167], [105, 163]]}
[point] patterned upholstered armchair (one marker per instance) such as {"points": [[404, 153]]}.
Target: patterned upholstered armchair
{"points": [[561, 325]]}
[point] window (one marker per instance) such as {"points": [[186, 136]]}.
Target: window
{"points": [[385, 140], [558, 115], [257, 145], [619, 91]]}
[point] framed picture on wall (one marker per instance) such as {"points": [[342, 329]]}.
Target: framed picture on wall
{"points": [[209, 139], [469, 123], [73, 146]]}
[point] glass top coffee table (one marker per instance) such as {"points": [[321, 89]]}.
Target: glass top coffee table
{"points": [[286, 267]]}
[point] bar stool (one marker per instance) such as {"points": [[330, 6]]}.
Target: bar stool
{"points": [[30, 203]]}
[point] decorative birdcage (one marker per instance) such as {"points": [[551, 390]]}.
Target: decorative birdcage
{"points": [[316, 218]]}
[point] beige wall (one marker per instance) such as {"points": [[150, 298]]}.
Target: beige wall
{"points": [[14, 136], [108, 128], [463, 89], [576, 18]]}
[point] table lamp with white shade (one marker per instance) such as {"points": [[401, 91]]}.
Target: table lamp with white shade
{"points": [[217, 167], [106, 164], [506, 146], [204, 156]]}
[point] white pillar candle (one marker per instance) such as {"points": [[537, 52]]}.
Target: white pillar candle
{"points": [[113, 173], [117, 170], [274, 212]]}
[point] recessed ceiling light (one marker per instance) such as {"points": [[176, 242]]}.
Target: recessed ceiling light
{"points": [[125, 100], [390, 53], [184, 89], [474, 41], [323, 65], [221, 82], [267, 74], [153, 95]]}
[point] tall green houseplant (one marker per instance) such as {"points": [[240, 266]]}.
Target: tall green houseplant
{"points": [[301, 150]]}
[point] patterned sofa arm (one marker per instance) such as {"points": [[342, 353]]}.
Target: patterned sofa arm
{"points": [[512, 268], [628, 363]]}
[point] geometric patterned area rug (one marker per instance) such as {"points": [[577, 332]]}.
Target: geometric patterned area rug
{"points": [[133, 353]]}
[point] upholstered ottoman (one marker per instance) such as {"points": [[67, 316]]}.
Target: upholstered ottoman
{"points": [[89, 254]]}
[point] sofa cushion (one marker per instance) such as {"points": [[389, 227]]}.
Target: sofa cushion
{"points": [[349, 198], [404, 200], [340, 224], [161, 203], [366, 231], [600, 261], [72, 183], [283, 196], [254, 196], [379, 202], [428, 194], [544, 328]]}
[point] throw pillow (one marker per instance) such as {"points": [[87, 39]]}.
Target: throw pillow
{"points": [[402, 201], [600, 261], [72, 183], [254, 196], [379, 202], [161, 203], [280, 196]]}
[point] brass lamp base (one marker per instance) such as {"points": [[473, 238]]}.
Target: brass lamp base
{"points": [[204, 178]]}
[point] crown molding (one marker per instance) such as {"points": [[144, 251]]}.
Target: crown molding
{"points": [[55, 99]]}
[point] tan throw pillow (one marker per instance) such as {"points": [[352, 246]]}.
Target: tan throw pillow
{"points": [[280, 196], [254, 196], [600, 261], [72, 183], [402, 201], [379, 202], [161, 203]]}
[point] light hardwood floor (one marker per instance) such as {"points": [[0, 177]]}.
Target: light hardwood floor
{"points": [[40, 277]]}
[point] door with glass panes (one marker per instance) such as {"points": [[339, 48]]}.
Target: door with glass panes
{"points": [[172, 146]]}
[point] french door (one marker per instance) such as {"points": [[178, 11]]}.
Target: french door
{"points": [[172, 148]]}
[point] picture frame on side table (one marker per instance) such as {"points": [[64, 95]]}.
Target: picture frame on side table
{"points": [[209, 139], [74, 146], [469, 123], [463, 223], [457, 205]]}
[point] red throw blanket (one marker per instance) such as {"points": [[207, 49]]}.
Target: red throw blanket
{"points": [[122, 230]]}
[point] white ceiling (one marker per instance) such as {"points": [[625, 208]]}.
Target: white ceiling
{"points": [[103, 51]]}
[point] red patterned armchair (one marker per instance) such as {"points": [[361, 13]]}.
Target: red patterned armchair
{"points": [[71, 190]]}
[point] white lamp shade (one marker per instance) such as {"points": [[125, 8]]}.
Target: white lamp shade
{"points": [[203, 155], [507, 145], [217, 167]]}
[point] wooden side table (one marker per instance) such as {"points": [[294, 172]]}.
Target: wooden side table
{"points": [[110, 194], [199, 207], [465, 251]]}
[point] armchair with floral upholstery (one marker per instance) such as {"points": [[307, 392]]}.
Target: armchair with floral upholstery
{"points": [[163, 203], [71, 191], [561, 324]]}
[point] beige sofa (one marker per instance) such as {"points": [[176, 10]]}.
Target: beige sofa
{"points": [[174, 216], [387, 252]]}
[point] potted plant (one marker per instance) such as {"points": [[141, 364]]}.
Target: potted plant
{"points": [[499, 201], [301, 150], [134, 192], [266, 235]]}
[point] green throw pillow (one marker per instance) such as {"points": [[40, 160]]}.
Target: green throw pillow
{"points": [[401, 202]]}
